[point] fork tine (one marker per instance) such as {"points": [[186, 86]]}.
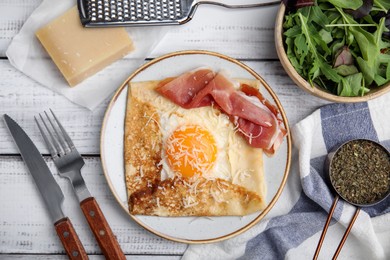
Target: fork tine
{"points": [[65, 134], [53, 138], [60, 138], [49, 144]]}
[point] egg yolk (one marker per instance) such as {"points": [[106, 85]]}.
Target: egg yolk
{"points": [[191, 150]]}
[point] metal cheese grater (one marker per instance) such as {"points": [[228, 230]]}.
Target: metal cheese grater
{"points": [[103, 13]]}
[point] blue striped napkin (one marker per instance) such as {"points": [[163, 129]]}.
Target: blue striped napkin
{"points": [[293, 227]]}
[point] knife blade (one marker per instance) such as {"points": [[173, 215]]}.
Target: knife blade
{"points": [[48, 187]]}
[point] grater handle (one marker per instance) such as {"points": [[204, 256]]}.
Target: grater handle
{"points": [[82, 7], [233, 3]]}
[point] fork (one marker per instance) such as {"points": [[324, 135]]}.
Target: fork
{"points": [[69, 163]]}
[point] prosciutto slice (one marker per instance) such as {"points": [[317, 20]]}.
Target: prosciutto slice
{"points": [[183, 89], [256, 118], [262, 137]]}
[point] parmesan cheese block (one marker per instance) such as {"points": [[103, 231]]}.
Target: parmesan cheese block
{"points": [[80, 52]]}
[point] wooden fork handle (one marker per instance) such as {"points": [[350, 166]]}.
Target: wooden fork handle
{"points": [[71, 242], [100, 228]]}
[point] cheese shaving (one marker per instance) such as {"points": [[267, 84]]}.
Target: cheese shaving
{"points": [[216, 196], [189, 201], [241, 175], [151, 118], [141, 172]]}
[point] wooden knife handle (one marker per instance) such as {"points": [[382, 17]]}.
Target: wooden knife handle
{"points": [[100, 228], [71, 242]]}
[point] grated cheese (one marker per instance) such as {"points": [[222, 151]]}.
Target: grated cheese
{"points": [[221, 189], [137, 179], [150, 118], [189, 201], [241, 175], [141, 172], [215, 195], [250, 136]]}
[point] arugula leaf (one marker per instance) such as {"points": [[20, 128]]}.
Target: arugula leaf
{"points": [[291, 56], [314, 72], [288, 21], [319, 40], [357, 84], [336, 46], [379, 80], [317, 16], [383, 4], [338, 33], [364, 39], [319, 61], [379, 33], [349, 4], [346, 70], [388, 72], [344, 88], [382, 70], [315, 35], [368, 71], [366, 44], [329, 72], [333, 16], [362, 11], [294, 31], [301, 48], [351, 86], [384, 58], [306, 32], [326, 36]]}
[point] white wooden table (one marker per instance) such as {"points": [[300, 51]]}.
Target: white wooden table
{"points": [[26, 230]]}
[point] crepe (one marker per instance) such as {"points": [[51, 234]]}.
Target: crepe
{"points": [[153, 191]]}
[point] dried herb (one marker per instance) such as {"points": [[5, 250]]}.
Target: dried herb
{"points": [[360, 172]]}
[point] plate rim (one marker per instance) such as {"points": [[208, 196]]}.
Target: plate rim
{"points": [[274, 97]]}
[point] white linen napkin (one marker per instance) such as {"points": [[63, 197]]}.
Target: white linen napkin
{"points": [[293, 227], [27, 55]]}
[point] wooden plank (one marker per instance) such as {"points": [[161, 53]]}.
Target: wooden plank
{"points": [[22, 99], [225, 30], [13, 14], [212, 28], [91, 257], [25, 225]]}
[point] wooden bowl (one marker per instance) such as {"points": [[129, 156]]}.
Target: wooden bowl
{"points": [[302, 83]]}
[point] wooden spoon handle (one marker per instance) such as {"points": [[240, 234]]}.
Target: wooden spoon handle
{"points": [[100, 228], [71, 242]]}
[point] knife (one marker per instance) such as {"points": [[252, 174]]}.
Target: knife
{"points": [[49, 189]]}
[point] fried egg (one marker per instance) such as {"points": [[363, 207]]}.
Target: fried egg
{"points": [[202, 143]]}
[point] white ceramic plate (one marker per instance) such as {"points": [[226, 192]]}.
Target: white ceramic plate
{"points": [[188, 229]]}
